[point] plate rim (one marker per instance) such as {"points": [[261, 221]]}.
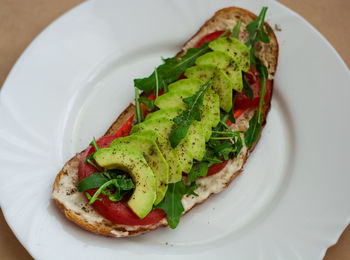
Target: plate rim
{"points": [[74, 9]]}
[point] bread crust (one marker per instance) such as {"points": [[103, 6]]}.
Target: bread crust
{"points": [[222, 19]]}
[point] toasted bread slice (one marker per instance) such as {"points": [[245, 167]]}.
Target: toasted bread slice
{"points": [[75, 205]]}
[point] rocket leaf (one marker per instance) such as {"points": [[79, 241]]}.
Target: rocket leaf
{"points": [[170, 70], [187, 117]]}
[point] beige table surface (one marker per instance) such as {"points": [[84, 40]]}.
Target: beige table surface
{"points": [[22, 20]]}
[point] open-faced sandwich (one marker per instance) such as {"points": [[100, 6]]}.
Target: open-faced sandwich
{"points": [[186, 136]]}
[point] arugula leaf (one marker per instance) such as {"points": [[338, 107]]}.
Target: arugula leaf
{"points": [[231, 114], [179, 130], [115, 189], [261, 68], [172, 204], [122, 187], [230, 143], [224, 141], [165, 87], [190, 190], [187, 117], [247, 89], [139, 112], [90, 158], [157, 81], [94, 144], [224, 149], [171, 69], [252, 134], [255, 123], [225, 34], [199, 169], [256, 29], [236, 30], [257, 34], [149, 103], [114, 184], [89, 196], [92, 181]]}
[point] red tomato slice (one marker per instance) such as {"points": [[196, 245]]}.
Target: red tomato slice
{"points": [[209, 38], [215, 168], [116, 211], [125, 129], [242, 102], [153, 97]]}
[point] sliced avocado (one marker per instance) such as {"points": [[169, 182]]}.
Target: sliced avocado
{"points": [[163, 126], [170, 112], [227, 64], [237, 50], [133, 162], [153, 156], [211, 105], [222, 85], [168, 153], [217, 58], [195, 134], [173, 99], [192, 85]]}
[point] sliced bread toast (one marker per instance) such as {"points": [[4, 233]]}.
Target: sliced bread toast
{"points": [[75, 205]]}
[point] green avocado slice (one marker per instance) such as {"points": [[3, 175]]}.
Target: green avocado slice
{"points": [[227, 64], [168, 153], [133, 162], [173, 99], [163, 126], [237, 50], [170, 112], [153, 156], [222, 84], [173, 104], [210, 110], [196, 134]]}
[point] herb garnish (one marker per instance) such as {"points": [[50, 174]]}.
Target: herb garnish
{"points": [[256, 34], [172, 204], [170, 70], [90, 158], [247, 88], [255, 123], [200, 169], [149, 103], [187, 117], [138, 109], [236, 30], [94, 144], [224, 144], [92, 181], [114, 184]]}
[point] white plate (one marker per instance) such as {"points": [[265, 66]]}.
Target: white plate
{"points": [[291, 202]]}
